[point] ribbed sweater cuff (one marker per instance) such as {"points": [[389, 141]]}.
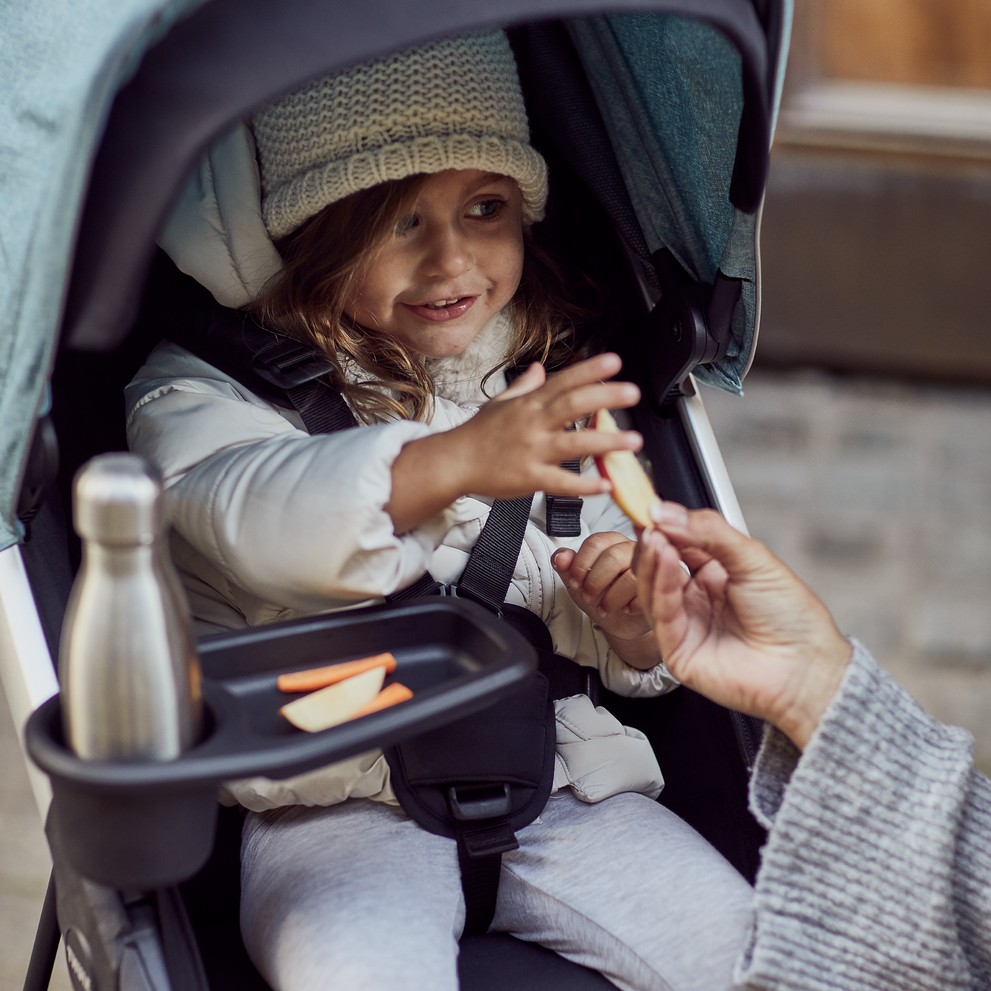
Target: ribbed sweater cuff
{"points": [[855, 889]]}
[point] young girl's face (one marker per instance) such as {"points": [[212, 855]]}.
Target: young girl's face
{"points": [[454, 261]]}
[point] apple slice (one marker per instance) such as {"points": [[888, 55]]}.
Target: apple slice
{"points": [[631, 488], [335, 703], [314, 678]]}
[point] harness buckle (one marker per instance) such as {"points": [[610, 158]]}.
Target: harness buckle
{"points": [[483, 801]]}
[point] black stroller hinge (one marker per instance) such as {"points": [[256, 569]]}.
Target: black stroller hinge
{"points": [[689, 326]]}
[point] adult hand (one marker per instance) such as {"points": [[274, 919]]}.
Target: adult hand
{"points": [[742, 629]]}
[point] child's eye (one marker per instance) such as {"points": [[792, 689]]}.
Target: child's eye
{"points": [[487, 208], [407, 224]]}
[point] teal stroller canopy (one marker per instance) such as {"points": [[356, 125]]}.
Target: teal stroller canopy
{"points": [[105, 108]]}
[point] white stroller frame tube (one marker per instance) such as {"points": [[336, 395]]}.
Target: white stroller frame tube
{"points": [[708, 456], [26, 668]]}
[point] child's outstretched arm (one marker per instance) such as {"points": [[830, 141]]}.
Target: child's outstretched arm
{"points": [[515, 444]]}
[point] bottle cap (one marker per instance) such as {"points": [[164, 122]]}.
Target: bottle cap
{"points": [[117, 500]]}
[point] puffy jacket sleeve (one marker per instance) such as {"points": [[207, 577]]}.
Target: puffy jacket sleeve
{"points": [[877, 869], [294, 519]]}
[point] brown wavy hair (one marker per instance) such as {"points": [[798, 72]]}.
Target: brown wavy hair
{"points": [[325, 256]]}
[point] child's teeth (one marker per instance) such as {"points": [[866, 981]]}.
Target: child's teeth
{"points": [[441, 303]]}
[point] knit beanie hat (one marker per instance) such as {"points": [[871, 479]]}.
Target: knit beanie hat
{"points": [[454, 104]]}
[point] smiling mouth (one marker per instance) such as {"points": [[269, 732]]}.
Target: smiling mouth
{"points": [[442, 309]]}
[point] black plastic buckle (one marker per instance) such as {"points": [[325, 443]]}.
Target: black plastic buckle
{"points": [[454, 590], [485, 801], [288, 364]]}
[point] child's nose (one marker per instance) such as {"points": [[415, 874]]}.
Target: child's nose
{"points": [[448, 253]]}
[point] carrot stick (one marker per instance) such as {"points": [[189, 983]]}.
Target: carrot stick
{"points": [[390, 695], [310, 681]]}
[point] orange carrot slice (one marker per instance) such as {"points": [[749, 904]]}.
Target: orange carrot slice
{"points": [[390, 695], [314, 678]]}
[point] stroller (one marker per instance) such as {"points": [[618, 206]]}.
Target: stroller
{"points": [[655, 115]]}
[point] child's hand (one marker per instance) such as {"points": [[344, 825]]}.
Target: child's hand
{"points": [[600, 579], [516, 443]]}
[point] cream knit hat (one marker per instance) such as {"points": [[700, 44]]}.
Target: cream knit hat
{"points": [[455, 104]]}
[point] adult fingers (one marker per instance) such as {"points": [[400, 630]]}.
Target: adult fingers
{"points": [[662, 583], [706, 530]]}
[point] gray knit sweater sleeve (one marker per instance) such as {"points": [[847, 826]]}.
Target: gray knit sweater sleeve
{"points": [[877, 869]]}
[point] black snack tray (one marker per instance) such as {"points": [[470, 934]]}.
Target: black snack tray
{"points": [[454, 655], [457, 658]]}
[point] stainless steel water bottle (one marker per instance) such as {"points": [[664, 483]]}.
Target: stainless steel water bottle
{"points": [[128, 666]]}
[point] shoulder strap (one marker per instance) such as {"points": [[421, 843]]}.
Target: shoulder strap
{"points": [[271, 365], [493, 559]]}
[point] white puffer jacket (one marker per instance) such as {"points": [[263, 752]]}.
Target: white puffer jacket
{"points": [[270, 522]]}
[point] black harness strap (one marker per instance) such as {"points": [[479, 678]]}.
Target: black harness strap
{"points": [[480, 850], [426, 584], [493, 559], [564, 513], [322, 410]]}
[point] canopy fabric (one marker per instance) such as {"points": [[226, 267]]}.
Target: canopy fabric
{"points": [[63, 61], [678, 165]]}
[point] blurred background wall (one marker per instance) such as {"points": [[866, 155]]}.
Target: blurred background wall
{"points": [[877, 224], [861, 452]]}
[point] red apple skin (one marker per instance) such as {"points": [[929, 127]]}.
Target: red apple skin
{"points": [[636, 496]]}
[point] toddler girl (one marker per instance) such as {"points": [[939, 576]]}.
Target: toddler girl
{"points": [[387, 222]]}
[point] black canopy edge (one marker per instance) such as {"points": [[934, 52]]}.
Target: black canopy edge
{"points": [[231, 56]]}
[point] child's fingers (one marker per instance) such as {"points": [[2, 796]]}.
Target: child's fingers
{"points": [[531, 380], [586, 443], [602, 366], [562, 482], [621, 594], [562, 560], [595, 545], [575, 404], [601, 574]]}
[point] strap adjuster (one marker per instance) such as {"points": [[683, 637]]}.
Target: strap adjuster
{"points": [[288, 363]]}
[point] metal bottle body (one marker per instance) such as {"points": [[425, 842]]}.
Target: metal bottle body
{"points": [[127, 661]]}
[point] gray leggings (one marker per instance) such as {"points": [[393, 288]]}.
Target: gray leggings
{"points": [[357, 897]]}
